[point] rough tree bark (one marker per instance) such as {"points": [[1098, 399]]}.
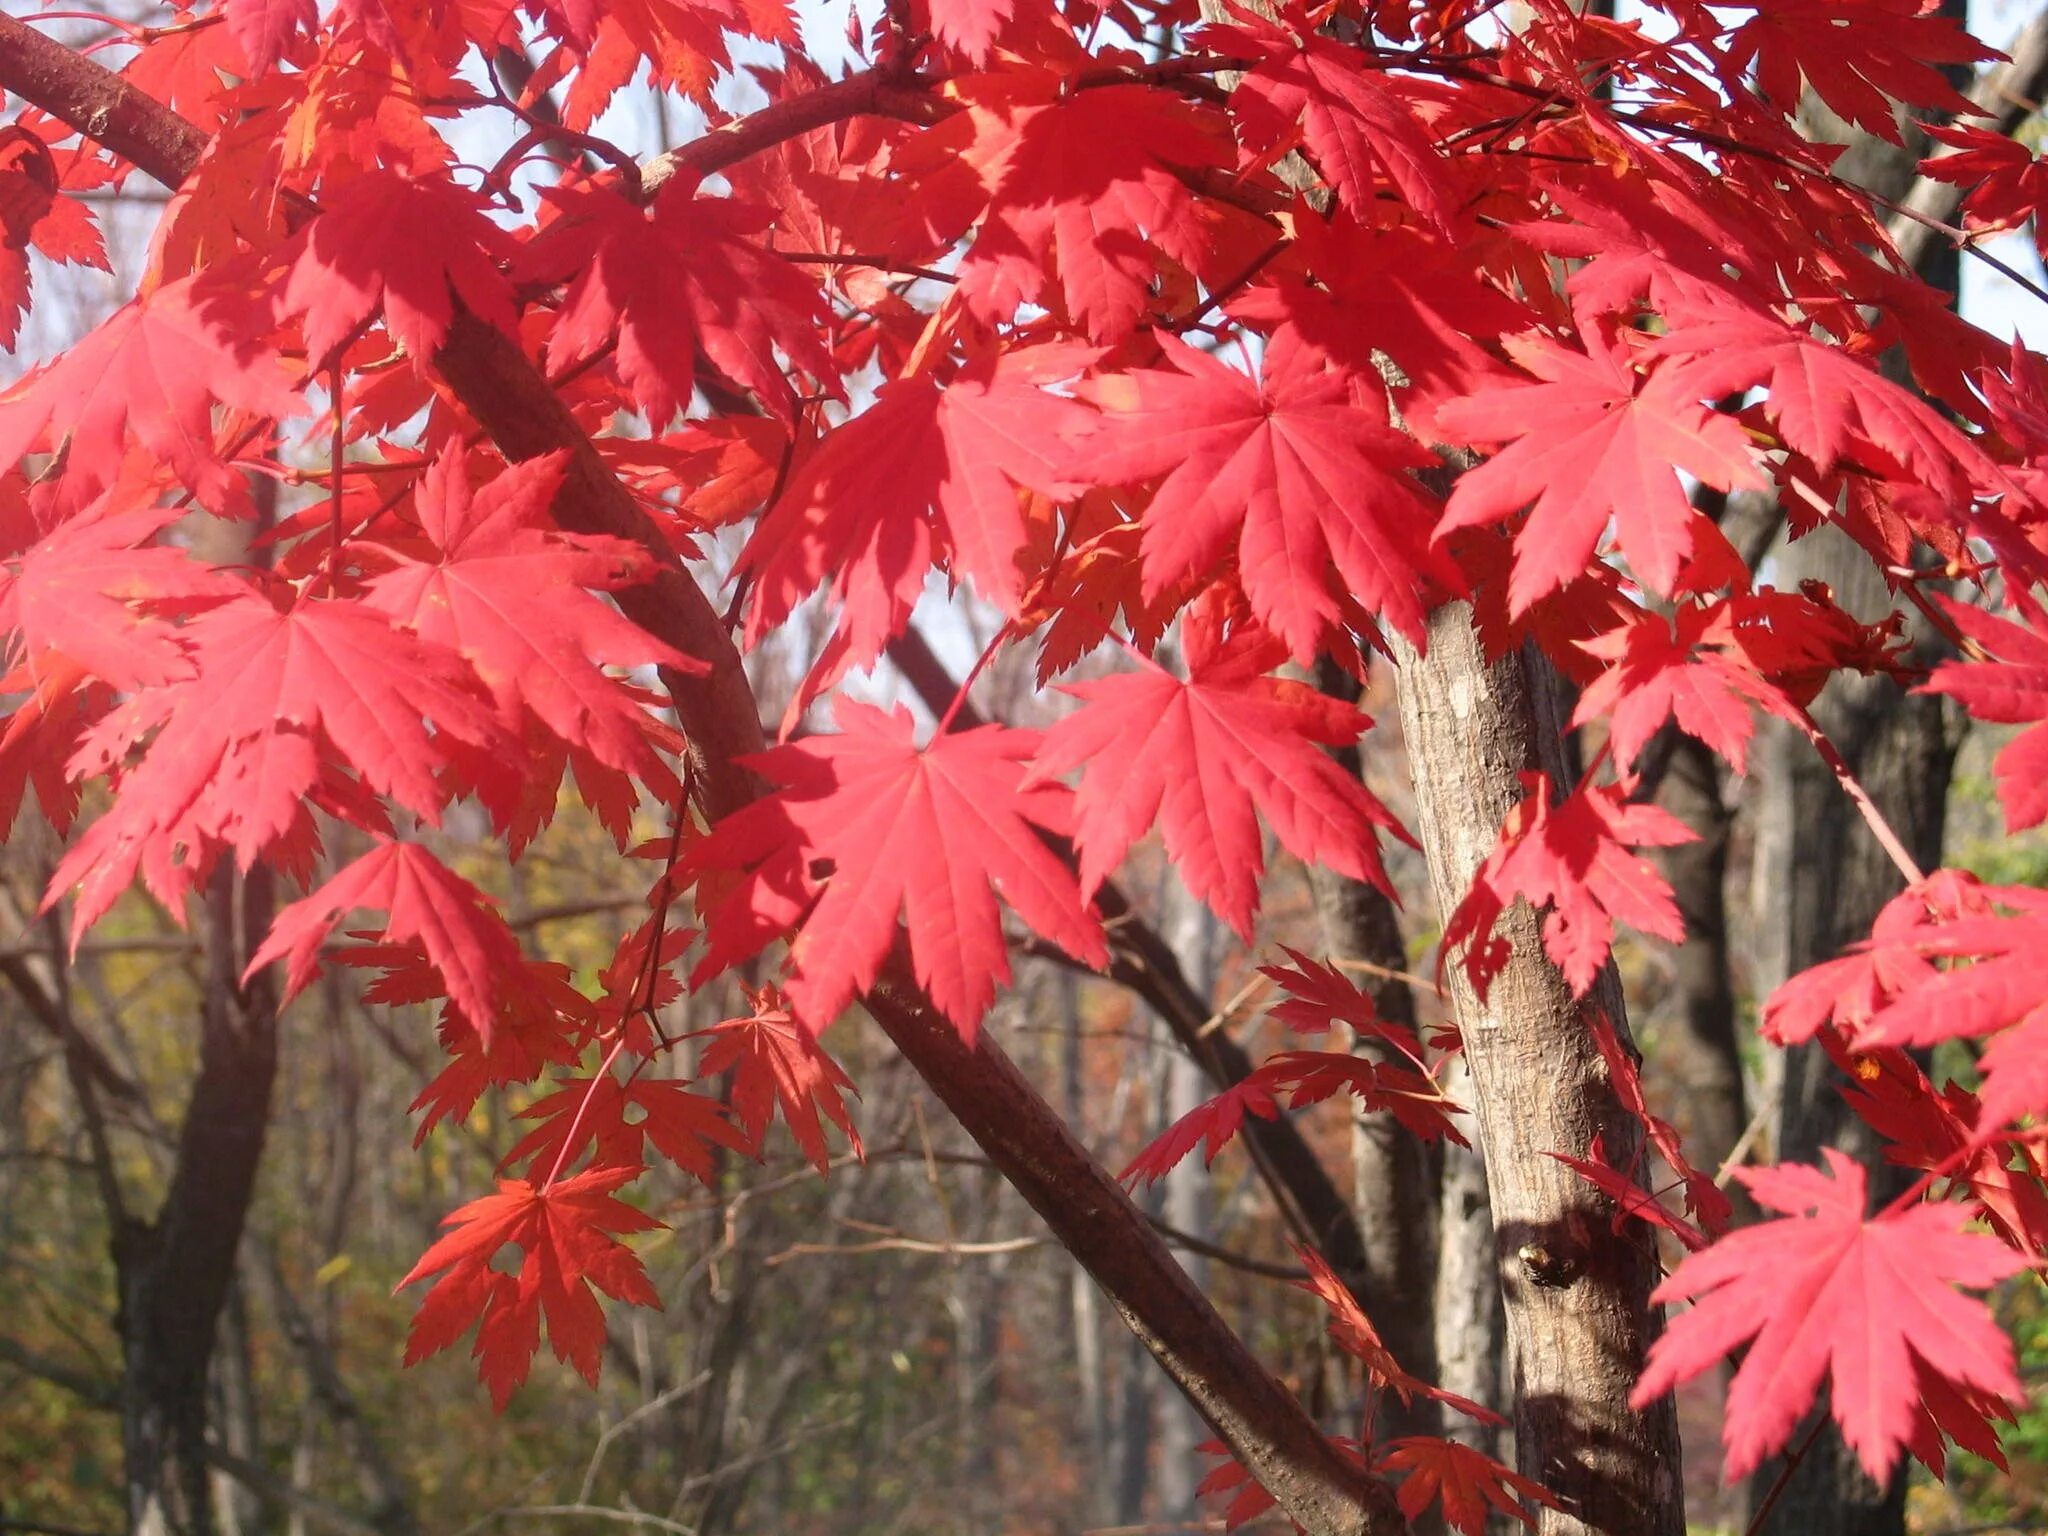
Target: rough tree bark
{"points": [[1576, 1291]]}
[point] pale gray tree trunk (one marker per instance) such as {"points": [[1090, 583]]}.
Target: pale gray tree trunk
{"points": [[1576, 1291], [1191, 929]]}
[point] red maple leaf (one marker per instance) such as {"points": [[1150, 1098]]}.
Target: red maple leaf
{"points": [[1290, 472], [1349, 112], [682, 1125], [1213, 1124], [97, 591], [1471, 1484], [1575, 857], [1411, 1096], [1591, 443], [775, 1062], [1938, 1133], [1859, 56], [2007, 185], [1663, 668], [1353, 1332], [265, 28], [1849, 990], [279, 702], [1320, 995], [149, 376], [410, 247], [685, 274], [426, 902], [929, 471], [1078, 194], [970, 26], [2010, 688], [872, 825], [1998, 993], [566, 1232], [1829, 404], [1204, 758], [1825, 1292], [501, 586]]}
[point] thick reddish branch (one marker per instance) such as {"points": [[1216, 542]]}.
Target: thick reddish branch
{"points": [[1089, 1212]]}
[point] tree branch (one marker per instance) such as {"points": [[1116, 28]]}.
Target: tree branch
{"points": [[2009, 94]]}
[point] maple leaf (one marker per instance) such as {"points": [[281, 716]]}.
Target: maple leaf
{"points": [[1411, 1097], [1575, 857], [568, 1236], [2011, 688], [1849, 990], [1321, 995], [1630, 1199], [683, 274], [277, 699], [775, 1061], [1353, 1332], [2006, 184], [502, 587], [1348, 113], [681, 1125], [1998, 994], [1663, 668], [451, 919], [934, 832], [929, 470], [407, 246], [265, 28], [1079, 194], [95, 591], [1824, 1292], [149, 375], [1395, 292], [1857, 55], [1471, 1484], [970, 26], [1591, 442], [1213, 1124], [1288, 471], [1938, 1133], [1201, 757], [1826, 403], [1703, 1197]]}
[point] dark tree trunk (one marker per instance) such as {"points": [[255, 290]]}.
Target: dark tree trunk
{"points": [[1821, 879], [174, 1272], [1703, 1054]]}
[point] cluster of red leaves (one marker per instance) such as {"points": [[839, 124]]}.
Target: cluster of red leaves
{"points": [[1466, 1486], [1017, 306]]}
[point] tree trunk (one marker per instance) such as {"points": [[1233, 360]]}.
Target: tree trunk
{"points": [[1577, 1293], [1821, 879], [174, 1272], [1396, 1176], [1704, 1054], [1471, 1327]]}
